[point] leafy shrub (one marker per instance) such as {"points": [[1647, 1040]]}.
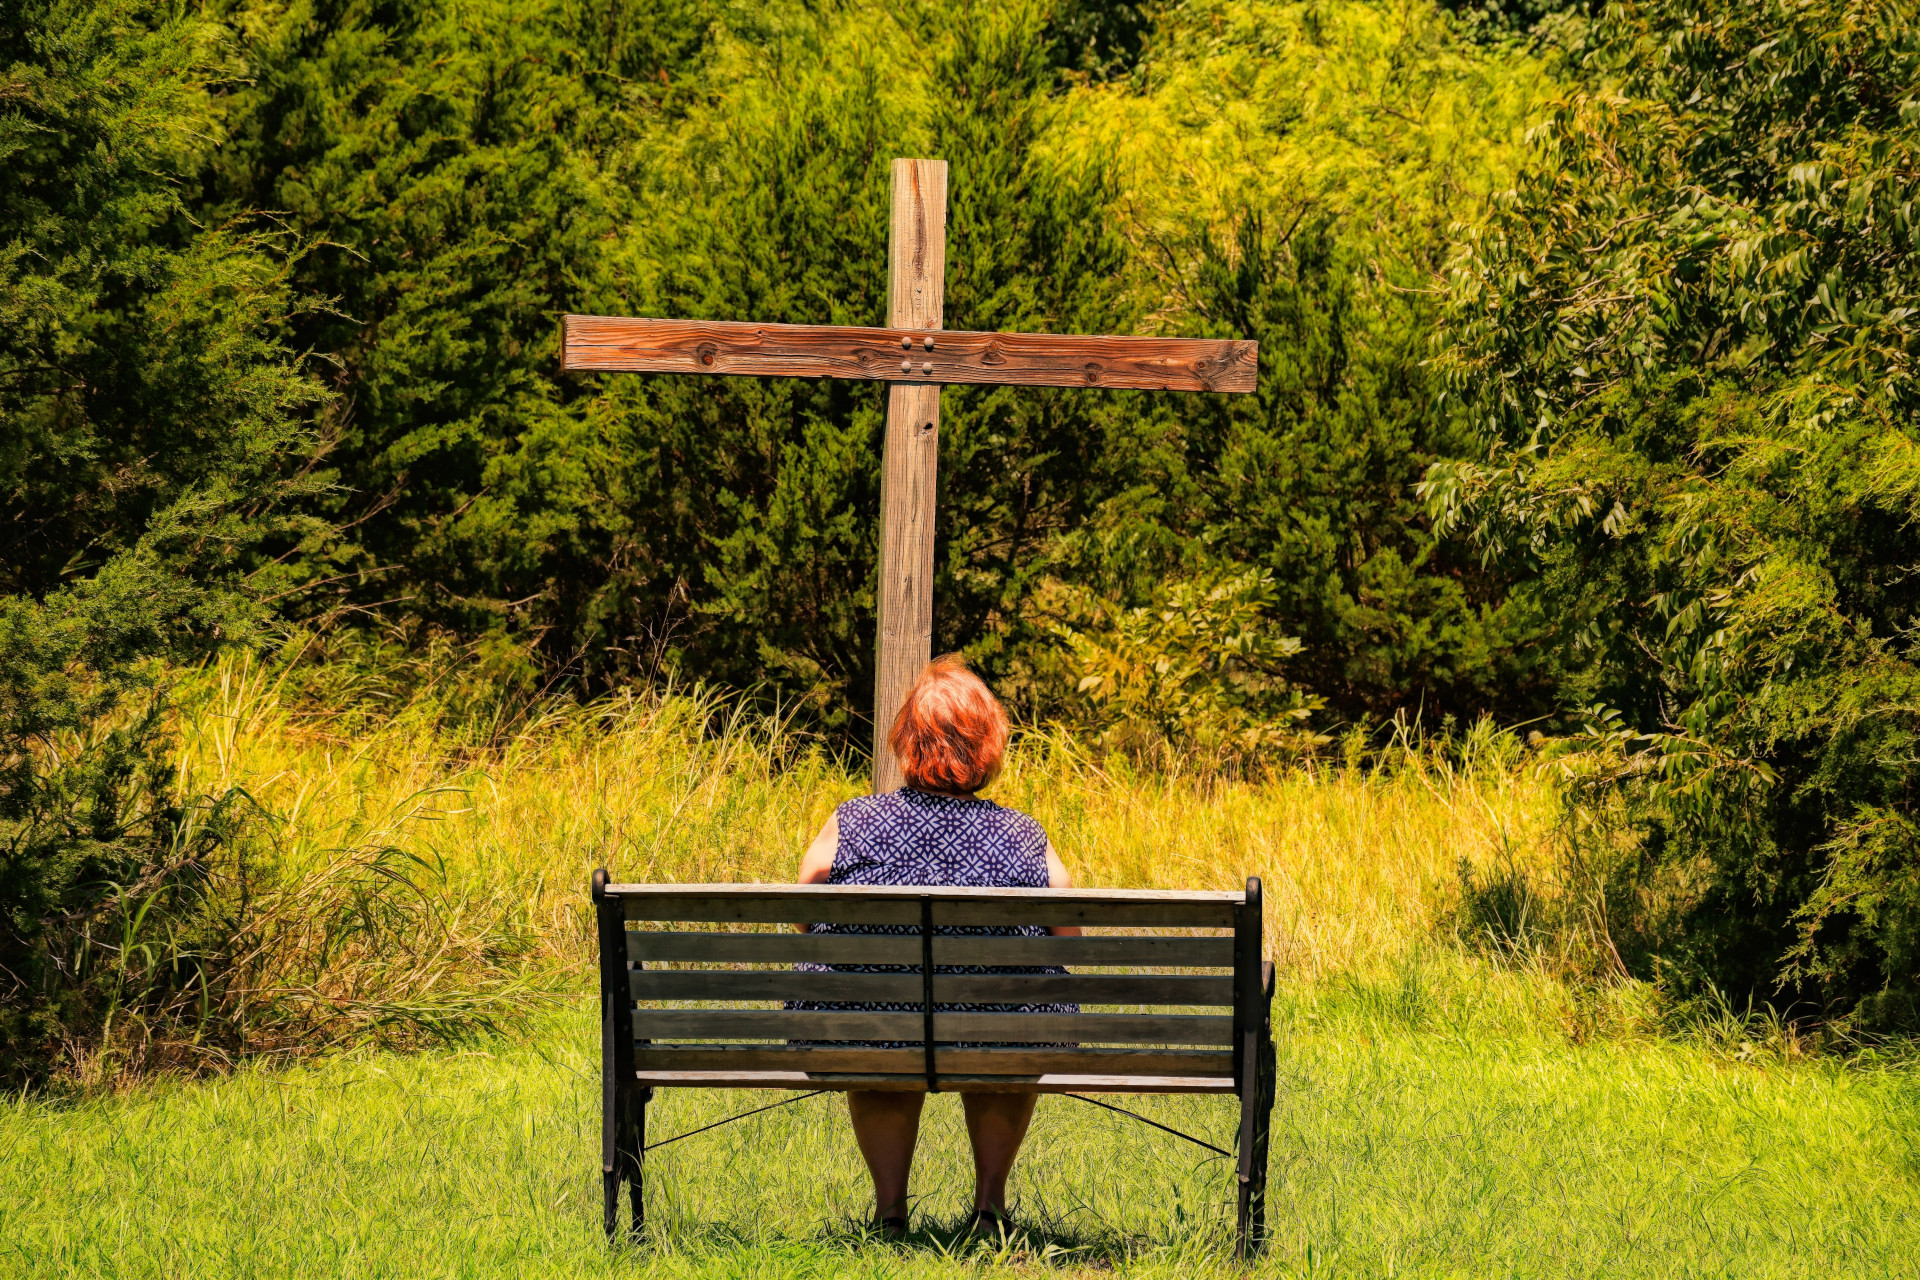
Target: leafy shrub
{"points": [[1688, 340], [1194, 677], [222, 947]]}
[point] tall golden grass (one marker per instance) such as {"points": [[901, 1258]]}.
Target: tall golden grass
{"points": [[1359, 863]]}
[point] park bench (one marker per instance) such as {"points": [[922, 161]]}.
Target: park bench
{"points": [[649, 960]]}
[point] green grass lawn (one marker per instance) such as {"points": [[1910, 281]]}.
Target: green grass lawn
{"points": [[1397, 1151]]}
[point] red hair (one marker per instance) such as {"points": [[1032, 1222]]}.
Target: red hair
{"points": [[951, 733]]}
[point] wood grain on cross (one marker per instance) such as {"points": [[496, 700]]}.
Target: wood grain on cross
{"points": [[915, 355]]}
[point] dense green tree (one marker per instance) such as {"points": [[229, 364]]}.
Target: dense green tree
{"points": [[1688, 339], [727, 523], [1101, 39], [468, 176], [1510, 19], [1313, 479], [449, 167], [150, 420]]}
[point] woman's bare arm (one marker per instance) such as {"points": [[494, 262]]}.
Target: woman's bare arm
{"points": [[1058, 877], [817, 863]]}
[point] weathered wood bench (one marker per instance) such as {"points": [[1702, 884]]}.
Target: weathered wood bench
{"points": [[646, 1047]]}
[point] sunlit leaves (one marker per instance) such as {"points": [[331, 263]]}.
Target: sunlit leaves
{"points": [[1196, 676], [1688, 339]]}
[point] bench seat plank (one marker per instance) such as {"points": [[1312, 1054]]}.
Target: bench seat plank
{"points": [[780, 1024], [804, 1081], [828, 948], [970, 1062]]}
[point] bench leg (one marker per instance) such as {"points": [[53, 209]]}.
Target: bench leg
{"points": [[633, 1152], [1256, 1115], [609, 1126], [623, 1144], [1262, 1127], [1249, 1105]]}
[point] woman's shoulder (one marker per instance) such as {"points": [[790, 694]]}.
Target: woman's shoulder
{"points": [[857, 805], [925, 806], [861, 810], [1016, 822]]}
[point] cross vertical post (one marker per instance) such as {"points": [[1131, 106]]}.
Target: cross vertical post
{"points": [[910, 466]]}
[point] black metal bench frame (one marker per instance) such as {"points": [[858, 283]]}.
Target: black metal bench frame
{"points": [[643, 1049]]}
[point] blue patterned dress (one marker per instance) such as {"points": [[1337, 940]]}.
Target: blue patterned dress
{"points": [[910, 837]]}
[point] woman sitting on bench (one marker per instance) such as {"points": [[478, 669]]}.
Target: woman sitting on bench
{"points": [[950, 738]]}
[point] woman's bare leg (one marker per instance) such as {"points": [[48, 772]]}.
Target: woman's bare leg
{"points": [[886, 1125], [996, 1124]]}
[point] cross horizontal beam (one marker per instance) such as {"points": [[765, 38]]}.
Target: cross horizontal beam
{"points": [[610, 343]]}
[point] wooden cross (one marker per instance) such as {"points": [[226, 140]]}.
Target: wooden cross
{"points": [[915, 355]]}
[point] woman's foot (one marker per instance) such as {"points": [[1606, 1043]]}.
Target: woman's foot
{"points": [[990, 1222]]}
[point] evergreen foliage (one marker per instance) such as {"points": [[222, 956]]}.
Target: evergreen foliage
{"points": [[1313, 480], [1511, 19], [447, 165], [152, 419], [1688, 339]]}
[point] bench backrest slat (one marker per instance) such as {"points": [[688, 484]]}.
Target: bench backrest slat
{"points": [[829, 893], [735, 984], [978, 1062], [780, 1024], [829, 948]]}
